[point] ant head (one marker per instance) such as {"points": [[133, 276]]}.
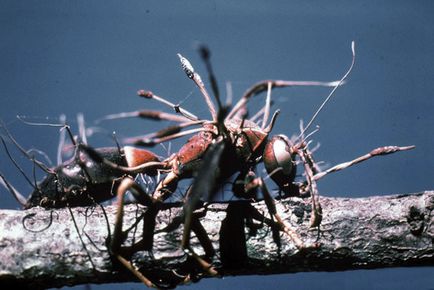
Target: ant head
{"points": [[279, 161]]}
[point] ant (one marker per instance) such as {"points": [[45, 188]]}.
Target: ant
{"points": [[227, 145], [231, 144], [85, 180], [80, 180]]}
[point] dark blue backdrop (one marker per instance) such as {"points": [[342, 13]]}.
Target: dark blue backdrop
{"points": [[91, 57]]}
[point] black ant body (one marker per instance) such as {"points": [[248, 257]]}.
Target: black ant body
{"points": [[81, 180]]}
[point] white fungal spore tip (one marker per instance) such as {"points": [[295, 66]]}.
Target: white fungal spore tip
{"points": [[186, 66]]}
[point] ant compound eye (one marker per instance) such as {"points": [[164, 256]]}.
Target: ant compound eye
{"points": [[278, 160], [277, 155], [283, 157]]}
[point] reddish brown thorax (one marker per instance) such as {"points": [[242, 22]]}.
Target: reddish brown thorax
{"points": [[248, 140]]}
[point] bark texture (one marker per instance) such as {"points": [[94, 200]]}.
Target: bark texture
{"points": [[41, 248]]}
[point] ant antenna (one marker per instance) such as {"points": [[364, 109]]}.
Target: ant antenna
{"points": [[42, 154], [341, 81], [33, 185], [64, 125], [263, 85], [40, 164]]}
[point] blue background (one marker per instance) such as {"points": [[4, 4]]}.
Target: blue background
{"points": [[92, 56]]}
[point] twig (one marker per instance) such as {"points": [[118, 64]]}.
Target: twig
{"points": [[356, 233]]}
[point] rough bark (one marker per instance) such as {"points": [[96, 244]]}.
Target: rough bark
{"points": [[41, 248]]}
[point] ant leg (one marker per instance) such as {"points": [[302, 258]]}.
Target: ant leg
{"points": [[189, 251], [147, 167], [232, 240], [166, 186], [198, 229], [40, 164], [118, 236], [202, 236], [177, 108], [271, 206], [146, 114], [193, 224], [263, 86], [255, 118], [376, 152], [204, 186], [310, 161], [166, 134], [63, 126], [32, 184], [316, 215], [18, 196]]}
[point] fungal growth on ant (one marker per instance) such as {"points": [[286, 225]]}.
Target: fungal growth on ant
{"points": [[228, 147]]}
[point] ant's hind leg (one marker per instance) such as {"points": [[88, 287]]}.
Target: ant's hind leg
{"points": [[194, 225], [119, 236]]}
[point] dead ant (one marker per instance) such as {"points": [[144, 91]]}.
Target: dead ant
{"points": [[230, 144], [85, 180], [227, 145], [79, 181]]}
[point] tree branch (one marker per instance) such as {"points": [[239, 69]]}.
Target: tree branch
{"points": [[41, 248]]}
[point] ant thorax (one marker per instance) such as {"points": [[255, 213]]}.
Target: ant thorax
{"points": [[247, 137]]}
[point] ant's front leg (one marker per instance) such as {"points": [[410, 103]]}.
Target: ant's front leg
{"points": [[258, 182], [310, 169]]}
